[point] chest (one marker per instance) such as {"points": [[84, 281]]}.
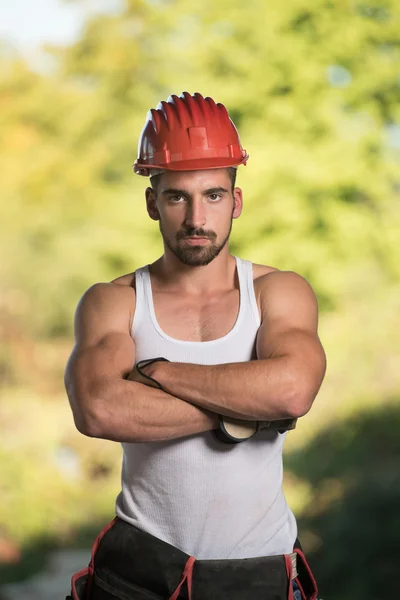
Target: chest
{"points": [[192, 320]]}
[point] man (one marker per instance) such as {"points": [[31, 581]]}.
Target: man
{"points": [[197, 364]]}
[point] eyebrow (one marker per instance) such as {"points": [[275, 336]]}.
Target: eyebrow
{"points": [[208, 192]]}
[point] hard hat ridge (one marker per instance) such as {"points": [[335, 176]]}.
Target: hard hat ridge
{"points": [[170, 114], [194, 107], [155, 117]]}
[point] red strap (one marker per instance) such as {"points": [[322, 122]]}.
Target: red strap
{"points": [[94, 550], [314, 592], [289, 571], [74, 579], [303, 594], [187, 574]]}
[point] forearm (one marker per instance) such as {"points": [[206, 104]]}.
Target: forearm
{"points": [[254, 390], [127, 411]]}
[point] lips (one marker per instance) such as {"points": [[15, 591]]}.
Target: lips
{"points": [[196, 241]]}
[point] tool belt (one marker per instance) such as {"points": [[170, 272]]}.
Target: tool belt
{"points": [[130, 564]]}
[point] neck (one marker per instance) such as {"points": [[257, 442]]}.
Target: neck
{"points": [[217, 276]]}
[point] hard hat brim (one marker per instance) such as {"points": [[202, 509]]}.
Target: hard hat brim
{"points": [[189, 165]]}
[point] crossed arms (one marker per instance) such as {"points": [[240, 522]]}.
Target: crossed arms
{"points": [[281, 384]]}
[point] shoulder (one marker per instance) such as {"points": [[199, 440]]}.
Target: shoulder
{"points": [[106, 301], [285, 280], [272, 278], [285, 291], [103, 293], [260, 270], [120, 289], [127, 281]]}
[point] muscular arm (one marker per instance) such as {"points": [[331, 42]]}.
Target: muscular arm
{"points": [[104, 403], [285, 379]]}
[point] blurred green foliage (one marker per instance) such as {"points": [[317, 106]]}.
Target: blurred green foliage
{"points": [[352, 519], [314, 89]]}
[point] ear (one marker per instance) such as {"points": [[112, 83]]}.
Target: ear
{"points": [[151, 204], [237, 202]]}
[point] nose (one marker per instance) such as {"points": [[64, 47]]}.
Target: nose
{"points": [[195, 214]]}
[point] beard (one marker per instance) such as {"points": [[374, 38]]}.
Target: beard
{"points": [[192, 255]]}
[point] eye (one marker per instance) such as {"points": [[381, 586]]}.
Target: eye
{"points": [[215, 196], [175, 199]]}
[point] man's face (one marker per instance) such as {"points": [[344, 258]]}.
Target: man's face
{"points": [[195, 203]]}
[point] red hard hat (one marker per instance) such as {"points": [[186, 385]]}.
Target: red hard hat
{"points": [[188, 133]]}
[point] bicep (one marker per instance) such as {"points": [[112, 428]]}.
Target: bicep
{"points": [[289, 327], [104, 347]]}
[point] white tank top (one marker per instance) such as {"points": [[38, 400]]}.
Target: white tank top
{"points": [[209, 499]]}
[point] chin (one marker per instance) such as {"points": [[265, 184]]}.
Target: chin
{"points": [[197, 256], [193, 259]]}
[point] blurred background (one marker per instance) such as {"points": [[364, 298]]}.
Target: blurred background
{"points": [[314, 89]]}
